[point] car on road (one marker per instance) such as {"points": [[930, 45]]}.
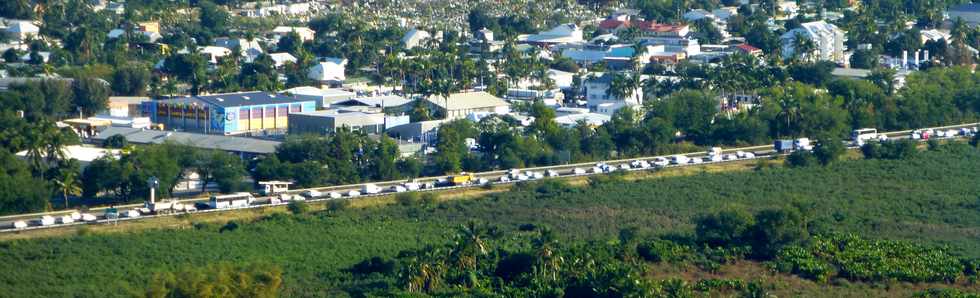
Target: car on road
{"points": [[66, 219], [20, 224], [46, 220], [86, 217], [334, 195], [312, 194], [578, 171], [353, 193]]}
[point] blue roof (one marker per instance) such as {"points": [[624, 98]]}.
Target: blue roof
{"points": [[969, 7]]}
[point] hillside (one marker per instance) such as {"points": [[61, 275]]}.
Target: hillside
{"points": [[929, 200]]}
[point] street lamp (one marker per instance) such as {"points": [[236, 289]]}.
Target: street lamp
{"points": [[152, 183]]}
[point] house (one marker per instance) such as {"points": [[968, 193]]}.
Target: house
{"points": [[599, 98], [748, 50], [324, 97], [305, 33], [250, 49], [252, 112], [828, 41], [280, 59], [152, 27], [970, 13], [933, 35], [590, 119], [414, 38], [328, 121], [213, 54], [22, 30], [564, 33], [459, 105], [329, 71], [151, 37]]}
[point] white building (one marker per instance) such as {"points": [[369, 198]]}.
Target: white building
{"points": [[828, 41], [414, 38], [564, 33], [329, 71], [305, 33], [280, 59], [970, 13], [459, 105], [323, 97], [599, 99], [213, 53], [22, 30], [250, 49]]}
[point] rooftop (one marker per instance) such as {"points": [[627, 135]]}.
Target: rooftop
{"points": [[206, 141], [467, 100], [244, 99]]}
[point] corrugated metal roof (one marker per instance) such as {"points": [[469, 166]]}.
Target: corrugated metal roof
{"points": [[206, 141], [467, 100]]}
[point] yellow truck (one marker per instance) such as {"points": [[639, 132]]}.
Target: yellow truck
{"points": [[462, 179]]}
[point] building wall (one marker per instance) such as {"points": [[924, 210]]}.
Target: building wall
{"points": [[219, 120]]}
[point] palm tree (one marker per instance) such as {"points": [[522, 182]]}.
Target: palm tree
{"points": [[469, 246], [68, 184], [803, 46]]}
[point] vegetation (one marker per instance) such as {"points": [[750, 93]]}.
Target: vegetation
{"points": [[793, 217]]}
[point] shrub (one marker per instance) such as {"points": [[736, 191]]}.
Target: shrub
{"points": [[801, 158], [373, 265], [664, 251], [229, 227], [428, 198], [338, 205], [407, 198], [723, 228], [298, 207], [828, 150]]}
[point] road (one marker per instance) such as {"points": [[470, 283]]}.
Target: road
{"points": [[762, 151]]}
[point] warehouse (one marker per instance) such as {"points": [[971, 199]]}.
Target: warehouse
{"points": [[245, 113]]}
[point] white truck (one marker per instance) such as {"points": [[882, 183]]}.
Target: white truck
{"points": [[370, 188]]}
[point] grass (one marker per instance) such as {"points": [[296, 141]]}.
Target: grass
{"points": [[931, 199]]}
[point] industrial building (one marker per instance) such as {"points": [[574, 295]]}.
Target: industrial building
{"points": [[328, 121], [251, 113]]}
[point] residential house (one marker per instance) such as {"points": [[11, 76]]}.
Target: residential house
{"points": [[414, 38], [280, 59], [329, 71], [459, 105], [305, 33], [748, 50], [250, 49], [599, 99], [828, 41], [22, 30], [213, 54]]}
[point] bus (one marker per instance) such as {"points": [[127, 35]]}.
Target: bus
{"points": [[864, 134], [235, 200]]}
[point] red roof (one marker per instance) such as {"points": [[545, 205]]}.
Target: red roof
{"points": [[609, 24], [748, 48]]}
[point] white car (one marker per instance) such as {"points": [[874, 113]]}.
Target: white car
{"points": [[504, 179], [679, 159], [312, 194], [398, 188], [522, 177], [20, 224], [697, 160], [66, 219], [661, 162], [731, 157], [353, 193], [76, 216], [596, 170], [578, 171], [882, 138], [482, 181], [551, 173], [412, 186], [716, 158], [86, 217], [46, 220], [130, 213], [749, 155], [740, 154], [334, 195]]}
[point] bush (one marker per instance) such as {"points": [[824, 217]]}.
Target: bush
{"points": [[429, 198], [407, 198], [338, 205], [725, 228], [801, 158], [828, 150], [115, 141], [373, 265], [231, 226], [298, 207], [664, 251], [901, 149]]}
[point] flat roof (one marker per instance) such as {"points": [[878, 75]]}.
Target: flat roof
{"points": [[206, 141], [238, 99]]}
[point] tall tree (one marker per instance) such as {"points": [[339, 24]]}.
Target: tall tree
{"points": [[91, 95]]}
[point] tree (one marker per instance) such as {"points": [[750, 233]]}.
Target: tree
{"points": [[884, 78], [20, 191], [775, 229], [803, 47], [91, 95], [130, 79], [451, 146], [68, 183], [290, 43], [866, 59], [828, 150], [11, 56], [217, 166], [16, 9], [221, 279], [213, 18], [725, 228]]}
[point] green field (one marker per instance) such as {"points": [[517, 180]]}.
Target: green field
{"points": [[932, 199]]}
